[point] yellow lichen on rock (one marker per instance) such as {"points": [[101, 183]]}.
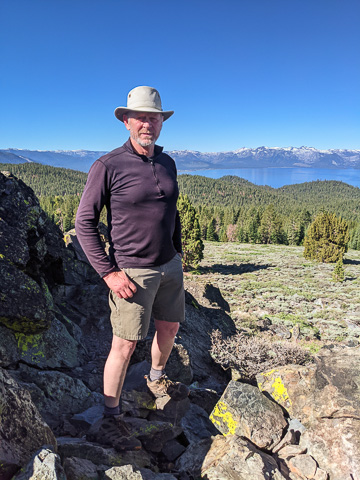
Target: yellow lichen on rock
{"points": [[220, 414], [278, 390]]}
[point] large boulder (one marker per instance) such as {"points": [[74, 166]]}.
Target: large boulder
{"points": [[55, 394], [244, 411], [325, 397], [53, 348], [227, 458], [22, 430], [30, 259], [234, 458]]}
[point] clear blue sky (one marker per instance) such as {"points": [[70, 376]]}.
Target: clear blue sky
{"points": [[238, 73]]}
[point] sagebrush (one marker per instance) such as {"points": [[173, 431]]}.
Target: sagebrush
{"points": [[252, 355]]}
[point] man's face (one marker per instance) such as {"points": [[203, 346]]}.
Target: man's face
{"points": [[144, 128]]}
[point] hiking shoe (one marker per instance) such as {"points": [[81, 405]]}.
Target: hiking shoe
{"points": [[113, 432], [164, 386]]}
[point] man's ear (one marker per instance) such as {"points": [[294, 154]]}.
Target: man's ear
{"points": [[125, 120]]}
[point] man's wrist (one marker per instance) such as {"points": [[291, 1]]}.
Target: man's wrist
{"points": [[104, 277]]}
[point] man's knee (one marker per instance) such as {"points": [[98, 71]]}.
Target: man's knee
{"points": [[169, 329], [122, 347]]}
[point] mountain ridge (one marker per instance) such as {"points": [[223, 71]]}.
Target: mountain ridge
{"points": [[188, 160]]}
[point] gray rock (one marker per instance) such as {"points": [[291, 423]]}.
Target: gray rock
{"points": [[243, 410], [23, 306], [126, 472], [55, 393], [179, 367], [153, 434], [203, 316], [172, 450], [53, 348], [45, 465], [192, 459], [8, 347], [22, 430], [135, 377], [206, 398], [84, 420], [196, 424], [78, 447], [30, 261], [80, 469], [137, 404], [169, 410]]}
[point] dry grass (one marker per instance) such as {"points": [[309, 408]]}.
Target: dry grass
{"points": [[276, 283]]}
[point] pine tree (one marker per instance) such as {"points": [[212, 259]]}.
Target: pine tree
{"points": [[326, 239], [270, 230], [355, 239], [254, 224], [339, 272], [192, 244], [222, 235], [211, 231]]}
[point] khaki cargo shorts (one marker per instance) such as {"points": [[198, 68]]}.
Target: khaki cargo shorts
{"points": [[160, 292]]}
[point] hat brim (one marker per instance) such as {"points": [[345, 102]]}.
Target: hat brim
{"points": [[119, 112]]}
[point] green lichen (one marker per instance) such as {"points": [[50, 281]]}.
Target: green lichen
{"points": [[17, 325], [31, 347], [48, 297]]}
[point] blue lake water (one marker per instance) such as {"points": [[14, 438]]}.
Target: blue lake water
{"points": [[278, 177]]}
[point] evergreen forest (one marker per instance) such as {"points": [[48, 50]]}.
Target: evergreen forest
{"points": [[228, 209]]}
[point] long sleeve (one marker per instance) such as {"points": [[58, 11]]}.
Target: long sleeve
{"points": [[94, 197]]}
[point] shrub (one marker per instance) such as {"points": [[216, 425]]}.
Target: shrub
{"points": [[252, 355], [326, 239]]}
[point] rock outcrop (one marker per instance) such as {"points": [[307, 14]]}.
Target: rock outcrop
{"points": [[325, 397], [298, 423]]}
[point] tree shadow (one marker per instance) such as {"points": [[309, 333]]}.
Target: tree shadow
{"points": [[347, 261], [233, 269]]}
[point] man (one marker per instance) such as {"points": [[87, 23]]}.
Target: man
{"points": [[137, 184]]}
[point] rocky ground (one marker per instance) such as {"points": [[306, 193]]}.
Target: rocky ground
{"points": [[275, 282], [291, 422]]}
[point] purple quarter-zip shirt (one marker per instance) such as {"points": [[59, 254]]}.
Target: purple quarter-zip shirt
{"points": [[140, 195]]}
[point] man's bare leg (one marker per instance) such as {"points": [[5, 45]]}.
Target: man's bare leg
{"points": [[115, 369], [163, 343]]}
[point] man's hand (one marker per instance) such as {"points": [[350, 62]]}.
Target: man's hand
{"points": [[120, 284]]}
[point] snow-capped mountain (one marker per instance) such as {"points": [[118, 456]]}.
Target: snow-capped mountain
{"points": [[260, 157], [74, 159]]}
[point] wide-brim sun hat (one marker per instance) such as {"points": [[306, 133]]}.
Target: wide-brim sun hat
{"points": [[143, 99]]}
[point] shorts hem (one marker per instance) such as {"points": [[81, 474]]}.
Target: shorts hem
{"points": [[129, 337], [158, 317]]}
